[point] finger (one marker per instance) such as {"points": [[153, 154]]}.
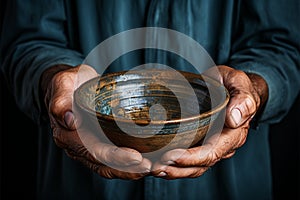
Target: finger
{"points": [[144, 167], [229, 155], [129, 173], [116, 156], [72, 120], [68, 140], [174, 172], [194, 157], [240, 108], [197, 156], [84, 143], [217, 147], [102, 153], [105, 153], [69, 120]]}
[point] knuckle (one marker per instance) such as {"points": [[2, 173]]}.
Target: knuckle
{"points": [[250, 104], [57, 105], [199, 172], [95, 167], [81, 150], [212, 158], [105, 172], [216, 156], [58, 141]]}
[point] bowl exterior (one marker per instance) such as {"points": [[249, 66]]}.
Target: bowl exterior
{"points": [[142, 136], [185, 136]]}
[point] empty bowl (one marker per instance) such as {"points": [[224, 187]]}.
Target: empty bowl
{"points": [[151, 110]]}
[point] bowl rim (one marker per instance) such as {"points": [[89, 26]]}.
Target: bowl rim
{"points": [[203, 115]]}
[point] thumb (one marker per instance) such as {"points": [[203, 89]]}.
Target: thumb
{"points": [[244, 98], [69, 120], [240, 109]]}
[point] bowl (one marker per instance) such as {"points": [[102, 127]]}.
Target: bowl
{"points": [[151, 110]]}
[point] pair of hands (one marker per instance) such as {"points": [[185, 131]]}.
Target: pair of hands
{"points": [[248, 92]]}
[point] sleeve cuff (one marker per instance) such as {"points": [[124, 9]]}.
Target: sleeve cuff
{"points": [[274, 109]]}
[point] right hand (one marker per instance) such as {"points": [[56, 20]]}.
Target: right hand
{"points": [[105, 159]]}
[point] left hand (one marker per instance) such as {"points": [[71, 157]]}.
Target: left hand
{"points": [[247, 95]]}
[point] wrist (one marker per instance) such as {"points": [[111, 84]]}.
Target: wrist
{"points": [[261, 87]]}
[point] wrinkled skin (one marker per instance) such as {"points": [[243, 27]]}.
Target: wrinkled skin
{"points": [[247, 95], [58, 99]]}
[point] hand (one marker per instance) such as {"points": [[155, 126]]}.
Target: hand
{"points": [[58, 86], [247, 95]]}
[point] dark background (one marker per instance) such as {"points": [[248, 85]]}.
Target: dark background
{"points": [[18, 150]]}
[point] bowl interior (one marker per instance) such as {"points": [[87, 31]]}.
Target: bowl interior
{"points": [[155, 96]]}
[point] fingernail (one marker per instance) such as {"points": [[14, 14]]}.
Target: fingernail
{"points": [[69, 119], [134, 162], [170, 162], [161, 174], [236, 116], [146, 171]]}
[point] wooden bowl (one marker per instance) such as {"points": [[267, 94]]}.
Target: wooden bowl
{"points": [[152, 109]]}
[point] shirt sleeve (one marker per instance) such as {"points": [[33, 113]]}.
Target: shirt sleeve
{"points": [[33, 38], [267, 43]]}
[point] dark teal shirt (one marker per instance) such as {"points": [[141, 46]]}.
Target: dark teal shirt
{"points": [[254, 36]]}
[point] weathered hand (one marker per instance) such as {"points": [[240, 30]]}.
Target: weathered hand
{"points": [[105, 159], [247, 94]]}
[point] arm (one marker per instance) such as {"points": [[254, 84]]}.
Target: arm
{"points": [[33, 39], [39, 65], [267, 43], [263, 82]]}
